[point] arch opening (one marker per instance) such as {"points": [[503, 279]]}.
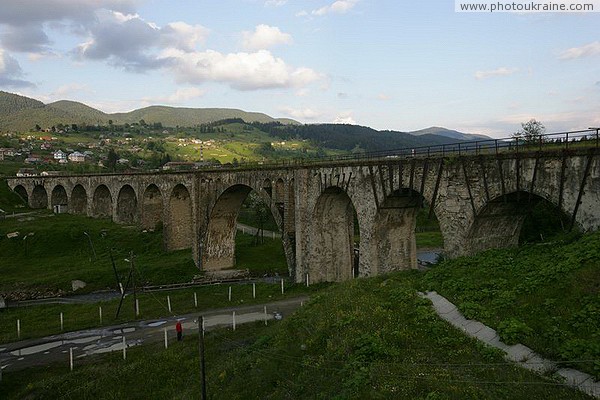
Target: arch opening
{"points": [[22, 192], [179, 228], [516, 218], [126, 205], [102, 202], [78, 200], [39, 197], [332, 245], [240, 208], [152, 208], [59, 197]]}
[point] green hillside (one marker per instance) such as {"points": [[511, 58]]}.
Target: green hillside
{"points": [[22, 114], [80, 111], [11, 103], [180, 116]]}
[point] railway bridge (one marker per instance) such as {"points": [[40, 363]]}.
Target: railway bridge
{"points": [[480, 199]]}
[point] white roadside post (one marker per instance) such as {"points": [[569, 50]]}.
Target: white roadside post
{"points": [[233, 321], [195, 300], [100, 314], [19, 329], [229, 293], [282, 289], [71, 358], [169, 302], [166, 339], [124, 348], [307, 283], [62, 322], [137, 307], [265, 315], [254, 290]]}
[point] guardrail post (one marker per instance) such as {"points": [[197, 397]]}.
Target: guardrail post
{"points": [[567, 141], [459, 149]]}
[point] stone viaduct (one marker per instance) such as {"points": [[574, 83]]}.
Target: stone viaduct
{"points": [[480, 202]]}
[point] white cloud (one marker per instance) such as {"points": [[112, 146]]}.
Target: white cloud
{"points": [[179, 96], [345, 118], [302, 13], [184, 36], [275, 3], [264, 37], [242, 71], [67, 89], [130, 42], [502, 71], [589, 50], [337, 7], [302, 113], [383, 97], [10, 72]]}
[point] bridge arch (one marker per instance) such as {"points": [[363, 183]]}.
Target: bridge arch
{"points": [[152, 207], [331, 247], [127, 208], [267, 186], [59, 196], [102, 202], [22, 192], [79, 200], [219, 247], [394, 230], [39, 197], [179, 233], [499, 222]]}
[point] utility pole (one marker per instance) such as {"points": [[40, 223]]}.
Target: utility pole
{"points": [[202, 361]]}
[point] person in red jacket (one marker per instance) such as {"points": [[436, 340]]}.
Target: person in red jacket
{"points": [[179, 330]]}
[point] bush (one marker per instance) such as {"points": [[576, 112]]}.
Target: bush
{"points": [[513, 331]]}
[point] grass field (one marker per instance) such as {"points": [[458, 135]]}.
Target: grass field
{"points": [[363, 339], [546, 296], [52, 250]]}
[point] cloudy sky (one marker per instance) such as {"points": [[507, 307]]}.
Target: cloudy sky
{"points": [[388, 64]]}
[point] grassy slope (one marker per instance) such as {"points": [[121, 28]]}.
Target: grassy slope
{"points": [[59, 252], [364, 339], [546, 296]]}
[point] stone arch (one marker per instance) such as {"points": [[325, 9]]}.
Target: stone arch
{"points": [[179, 229], [78, 200], [39, 197], [331, 247], [279, 194], [152, 207], [22, 192], [395, 224], [102, 202], [498, 223], [267, 186], [59, 196], [219, 246], [127, 209]]}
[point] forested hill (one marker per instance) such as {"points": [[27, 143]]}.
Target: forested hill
{"points": [[352, 137]]}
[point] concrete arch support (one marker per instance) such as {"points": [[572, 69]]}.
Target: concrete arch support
{"points": [[152, 207], [178, 231]]}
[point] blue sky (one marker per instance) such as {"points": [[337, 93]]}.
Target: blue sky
{"points": [[386, 64]]}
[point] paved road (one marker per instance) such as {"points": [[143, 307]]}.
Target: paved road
{"points": [[35, 352]]}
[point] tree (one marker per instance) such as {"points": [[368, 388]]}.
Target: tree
{"points": [[531, 131], [111, 159]]}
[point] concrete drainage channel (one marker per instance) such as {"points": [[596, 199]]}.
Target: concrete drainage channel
{"points": [[520, 354]]}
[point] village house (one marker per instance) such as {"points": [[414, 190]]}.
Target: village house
{"points": [[77, 157], [59, 155]]}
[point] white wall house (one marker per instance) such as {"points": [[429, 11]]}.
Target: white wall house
{"points": [[77, 157]]}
